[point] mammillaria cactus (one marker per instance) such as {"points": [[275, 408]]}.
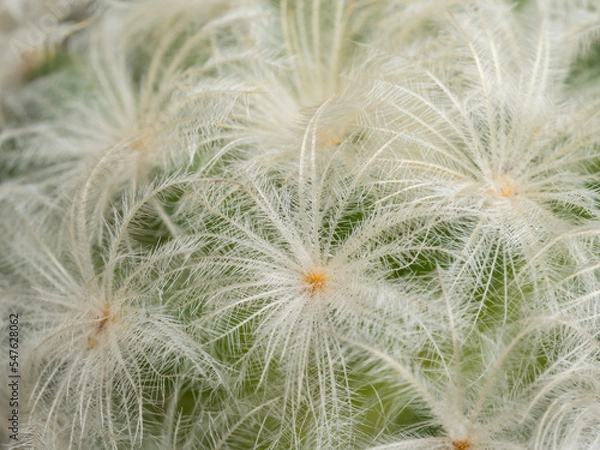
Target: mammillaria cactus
{"points": [[294, 224]]}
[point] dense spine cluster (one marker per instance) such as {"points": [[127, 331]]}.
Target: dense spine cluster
{"points": [[302, 224]]}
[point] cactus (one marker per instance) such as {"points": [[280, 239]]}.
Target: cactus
{"points": [[294, 224]]}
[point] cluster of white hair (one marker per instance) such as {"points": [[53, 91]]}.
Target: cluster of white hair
{"points": [[302, 224]]}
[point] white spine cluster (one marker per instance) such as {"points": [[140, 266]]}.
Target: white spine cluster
{"points": [[302, 224]]}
